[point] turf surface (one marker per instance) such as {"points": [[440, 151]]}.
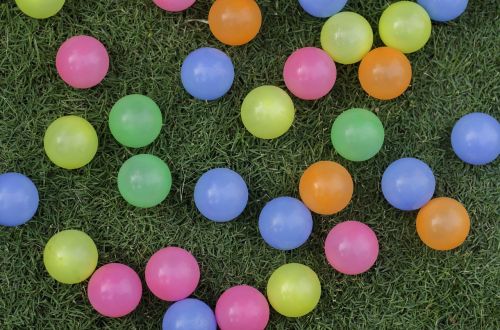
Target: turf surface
{"points": [[410, 287]]}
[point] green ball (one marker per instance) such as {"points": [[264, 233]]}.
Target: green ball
{"points": [[144, 180], [135, 121], [357, 134]]}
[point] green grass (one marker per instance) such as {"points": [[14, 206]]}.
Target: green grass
{"points": [[410, 286]]}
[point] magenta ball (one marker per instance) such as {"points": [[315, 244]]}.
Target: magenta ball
{"points": [[351, 247], [174, 5], [82, 62], [309, 73], [172, 274], [115, 290], [242, 307]]}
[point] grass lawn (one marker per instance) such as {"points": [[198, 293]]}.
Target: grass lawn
{"points": [[411, 286]]}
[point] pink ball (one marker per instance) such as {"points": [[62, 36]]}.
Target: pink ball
{"points": [[172, 274], [174, 5], [351, 247], [242, 307], [115, 290], [309, 73], [82, 62]]}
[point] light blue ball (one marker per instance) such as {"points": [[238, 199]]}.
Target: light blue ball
{"points": [[408, 184], [475, 138], [285, 223], [207, 74], [189, 314], [221, 194], [322, 8], [444, 10], [18, 199]]}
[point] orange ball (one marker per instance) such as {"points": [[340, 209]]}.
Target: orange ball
{"points": [[443, 224], [326, 187], [385, 73], [235, 22]]}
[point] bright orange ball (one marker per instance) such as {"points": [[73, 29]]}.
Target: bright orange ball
{"points": [[385, 73], [443, 224], [326, 187], [235, 22]]}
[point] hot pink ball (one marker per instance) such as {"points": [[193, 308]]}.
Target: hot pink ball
{"points": [[309, 73], [174, 5], [172, 274], [242, 307], [115, 290], [82, 62], [351, 247]]}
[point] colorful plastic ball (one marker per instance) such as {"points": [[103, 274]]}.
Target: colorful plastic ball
{"points": [[293, 290], [322, 8], [309, 73], [267, 112], [444, 10], [70, 256], [18, 199], [174, 6], [326, 187], [135, 121], [221, 194], [357, 134], [144, 180], [475, 138], [385, 73], [351, 247], [114, 290], [443, 224], [406, 26], [82, 62], [235, 22], [172, 274], [189, 314], [70, 142], [40, 9], [285, 223], [408, 184], [207, 74], [347, 37], [242, 307]]}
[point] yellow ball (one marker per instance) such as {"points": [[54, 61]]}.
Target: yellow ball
{"points": [[40, 8], [267, 112], [293, 290], [70, 256], [406, 26], [347, 37], [70, 142]]}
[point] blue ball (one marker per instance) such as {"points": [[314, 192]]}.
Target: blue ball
{"points": [[408, 184], [322, 8], [18, 199], [189, 314], [285, 223], [444, 10], [207, 73], [221, 194], [475, 138]]}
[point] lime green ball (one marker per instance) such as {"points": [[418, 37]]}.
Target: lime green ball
{"points": [[135, 121], [293, 290], [40, 8], [357, 134], [70, 256], [70, 142], [406, 26], [347, 37], [267, 112], [144, 180]]}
